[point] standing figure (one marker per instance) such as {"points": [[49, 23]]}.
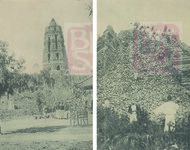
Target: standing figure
{"points": [[133, 113], [169, 122], [45, 109], [169, 109]]}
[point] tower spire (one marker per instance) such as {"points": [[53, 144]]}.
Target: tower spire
{"points": [[53, 23]]}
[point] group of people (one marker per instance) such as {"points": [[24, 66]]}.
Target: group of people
{"points": [[60, 106]]}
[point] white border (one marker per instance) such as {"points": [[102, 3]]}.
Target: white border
{"points": [[94, 74]]}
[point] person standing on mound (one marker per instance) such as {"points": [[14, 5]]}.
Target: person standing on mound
{"points": [[133, 113]]}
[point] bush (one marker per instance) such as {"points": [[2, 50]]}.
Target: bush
{"points": [[117, 133]]}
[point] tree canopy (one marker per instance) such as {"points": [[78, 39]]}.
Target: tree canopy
{"points": [[10, 70], [121, 84]]}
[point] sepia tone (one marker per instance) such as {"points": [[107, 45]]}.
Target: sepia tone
{"points": [[143, 61], [43, 105]]}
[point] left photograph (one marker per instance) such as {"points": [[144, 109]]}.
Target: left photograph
{"points": [[46, 76]]}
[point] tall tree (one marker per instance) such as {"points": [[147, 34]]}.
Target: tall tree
{"points": [[10, 68]]}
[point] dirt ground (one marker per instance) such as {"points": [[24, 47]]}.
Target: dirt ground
{"points": [[50, 134]]}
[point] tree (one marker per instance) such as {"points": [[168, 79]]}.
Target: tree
{"points": [[10, 69], [119, 83], [40, 100], [89, 7]]}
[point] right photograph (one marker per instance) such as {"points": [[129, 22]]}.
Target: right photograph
{"points": [[143, 75]]}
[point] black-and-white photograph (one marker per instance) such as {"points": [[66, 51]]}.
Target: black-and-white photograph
{"points": [[46, 75], [143, 68]]}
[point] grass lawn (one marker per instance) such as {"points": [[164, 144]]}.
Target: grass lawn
{"points": [[27, 133]]}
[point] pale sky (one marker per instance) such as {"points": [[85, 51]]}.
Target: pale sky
{"points": [[23, 23], [120, 13]]}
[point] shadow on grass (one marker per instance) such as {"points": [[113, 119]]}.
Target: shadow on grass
{"points": [[47, 129]]}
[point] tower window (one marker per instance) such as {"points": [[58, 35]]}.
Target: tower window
{"points": [[57, 56], [49, 43], [56, 41], [48, 57]]}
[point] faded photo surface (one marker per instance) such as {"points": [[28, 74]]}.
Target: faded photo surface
{"points": [[143, 68], [46, 74]]}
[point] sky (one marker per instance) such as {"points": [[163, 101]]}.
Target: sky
{"points": [[120, 13], [23, 24]]}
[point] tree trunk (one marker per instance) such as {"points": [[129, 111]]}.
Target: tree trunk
{"points": [[0, 130], [10, 102], [7, 95]]}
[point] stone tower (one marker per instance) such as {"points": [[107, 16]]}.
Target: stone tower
{"points": [[54, 57]]}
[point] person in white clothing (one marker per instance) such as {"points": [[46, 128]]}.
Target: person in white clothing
{"points": [[133, 113]]}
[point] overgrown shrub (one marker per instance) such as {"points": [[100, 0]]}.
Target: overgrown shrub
{"points": [[117, 133]]}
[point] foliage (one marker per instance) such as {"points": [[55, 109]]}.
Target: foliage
{"points": [[113, 126], [48, 88], [121, 85], [89, 7], [116, 132], [10, 69], [40, 100]]}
